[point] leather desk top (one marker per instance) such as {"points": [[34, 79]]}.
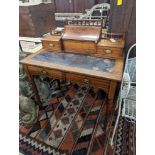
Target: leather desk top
{"points": [[76, 60], [76, 63]]}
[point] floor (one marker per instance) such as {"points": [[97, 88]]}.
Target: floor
{"points": [[75, 122]]}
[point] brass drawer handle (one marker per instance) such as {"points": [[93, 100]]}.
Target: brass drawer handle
{"points": [[107, 51], [51, 45], [44, 72], [86, 81]]}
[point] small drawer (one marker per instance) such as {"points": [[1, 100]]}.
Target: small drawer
{"points": [[81, 79], [109, 52], [92, 81], [51, 45], [48, 72]]}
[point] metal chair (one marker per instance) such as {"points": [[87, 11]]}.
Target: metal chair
{"points": [[126, 102]]}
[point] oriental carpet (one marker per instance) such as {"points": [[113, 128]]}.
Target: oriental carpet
{"points": [[74, 122]]}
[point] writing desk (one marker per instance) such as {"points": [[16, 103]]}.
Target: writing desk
{"points": [[81, 56], [81, 69]]}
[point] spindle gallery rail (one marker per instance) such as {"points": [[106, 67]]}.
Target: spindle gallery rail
{"points": [[81, 22], [86, 22], [108, 35]]}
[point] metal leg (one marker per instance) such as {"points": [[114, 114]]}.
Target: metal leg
{"points": [[116, 123], [117, 104]]}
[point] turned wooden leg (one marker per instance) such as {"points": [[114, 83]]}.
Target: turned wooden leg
{"points": [[34, 87]]}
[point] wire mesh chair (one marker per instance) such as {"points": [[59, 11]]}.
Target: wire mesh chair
{"points": [[126, 102]]}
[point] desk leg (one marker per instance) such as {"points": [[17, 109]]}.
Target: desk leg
{"points": [[34, 87], [111, 95]]}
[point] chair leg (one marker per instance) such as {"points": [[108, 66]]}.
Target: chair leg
{"points": [[116, 123], [117, 104]]}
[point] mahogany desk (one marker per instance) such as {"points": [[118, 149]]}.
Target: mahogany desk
{"points": [[77, 68]]}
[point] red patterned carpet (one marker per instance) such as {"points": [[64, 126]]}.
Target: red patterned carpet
{"points": [[74, 122]]}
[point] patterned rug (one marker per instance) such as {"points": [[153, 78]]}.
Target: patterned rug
{"points": [[125, 140], [73, 122], [30, 146]]}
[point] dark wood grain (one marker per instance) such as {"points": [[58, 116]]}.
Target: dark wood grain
{"points": [[81, 33], [36, 20]]}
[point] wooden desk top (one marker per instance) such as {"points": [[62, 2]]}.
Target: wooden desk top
{"points": [[119, 43], [81, 33], [52, 37], [76, 63]]}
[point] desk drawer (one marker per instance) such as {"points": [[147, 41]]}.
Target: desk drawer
{"points": [[48, 72], [109, 52], [92, 81], [51, 45]]}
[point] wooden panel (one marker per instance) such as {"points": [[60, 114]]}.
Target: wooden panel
{"points": [[123, 20], [100, 83], [63, 6], [131, 33], [76, 6], [89, 4], [48, 72], [83, 79], [79, 46], [80, 5], [34, 21]]}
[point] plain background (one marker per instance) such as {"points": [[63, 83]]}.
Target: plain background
{"points": [[9, 77]]}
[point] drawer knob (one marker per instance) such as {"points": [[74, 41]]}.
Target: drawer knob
{"points": [[51, 45], [44, 72], [86, 81], [107, 51]]}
